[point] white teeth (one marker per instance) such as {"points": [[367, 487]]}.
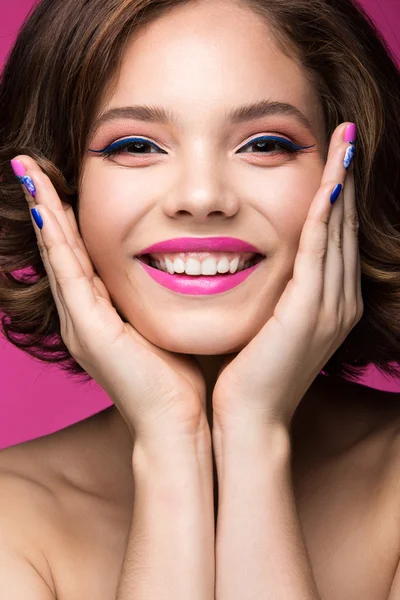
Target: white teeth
{"points": [[170, 266], [223, 265], [179, 265], [234, 265], [194, 267], [209, 266]]}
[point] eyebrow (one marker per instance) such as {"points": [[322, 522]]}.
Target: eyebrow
{"points": [[240, 114]]}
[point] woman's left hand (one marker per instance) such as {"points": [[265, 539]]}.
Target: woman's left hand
{"points": [[321, 304]]}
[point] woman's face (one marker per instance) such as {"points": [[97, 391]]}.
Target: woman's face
{"points": [[200, 62]]}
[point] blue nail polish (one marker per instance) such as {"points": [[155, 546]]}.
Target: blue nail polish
{"points": [[28, 183], [336, 193], [37, 218], [348, 159]]}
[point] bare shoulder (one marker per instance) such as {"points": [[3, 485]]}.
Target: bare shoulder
{"points": [[346, 462], [57, 518], [36, 496], [27, 518], [372, 416], [338, 415], [369, 424], [376, 411], [347, 427]]}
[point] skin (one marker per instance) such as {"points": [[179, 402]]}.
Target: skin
{"points": [[202, 187]]}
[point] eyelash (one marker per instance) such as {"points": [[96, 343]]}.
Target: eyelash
{"points": [[118, 146]]}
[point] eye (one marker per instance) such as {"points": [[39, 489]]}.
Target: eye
{"points": [[268, 142], [140, 146], [135, 145]]}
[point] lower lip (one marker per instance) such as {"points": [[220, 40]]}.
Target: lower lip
{"points": [[196, 285]]}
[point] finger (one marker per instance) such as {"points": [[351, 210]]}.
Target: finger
{"points": [[69, 283], [337, 140], [47, 195], [60, 304], [334, 304], [310, 264], [73, 292], [333, 297], [351, 250]]}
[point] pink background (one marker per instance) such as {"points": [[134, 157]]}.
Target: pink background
{"points": [[37, 399]]}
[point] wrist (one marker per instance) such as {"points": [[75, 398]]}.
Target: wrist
{"points": [[251, 441], [152, 451]]}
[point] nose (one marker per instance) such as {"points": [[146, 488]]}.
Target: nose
{"points": [[203, 192]]}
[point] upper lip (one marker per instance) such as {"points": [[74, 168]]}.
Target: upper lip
{"points": [[205, 244]]}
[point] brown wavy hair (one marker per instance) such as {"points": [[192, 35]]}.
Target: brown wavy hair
{"points": [[69, 51]]}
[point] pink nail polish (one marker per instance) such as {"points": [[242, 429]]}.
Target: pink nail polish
{"points": [[350, 135], [17, 167]]}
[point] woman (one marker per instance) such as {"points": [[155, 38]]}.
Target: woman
{"points": [[202, 366]]}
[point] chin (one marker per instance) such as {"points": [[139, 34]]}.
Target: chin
{"points": [[198, 338]]}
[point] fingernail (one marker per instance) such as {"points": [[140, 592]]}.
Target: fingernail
{"points": [[19, 172], [37, 218], [336, 193], [350, 134], [17, 167], [28, 183], [348, 158]]}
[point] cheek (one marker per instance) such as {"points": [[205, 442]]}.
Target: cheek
{"points": [[110, 205], [288, 199]]}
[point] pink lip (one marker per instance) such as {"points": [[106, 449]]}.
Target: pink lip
{"points": [[198, 285], [211, 244]]}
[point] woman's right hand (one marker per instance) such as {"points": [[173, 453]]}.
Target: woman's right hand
{"points": [[158, 393]]}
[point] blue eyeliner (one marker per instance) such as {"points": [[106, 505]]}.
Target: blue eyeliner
{"points": [[283, 142], [121, 144]]}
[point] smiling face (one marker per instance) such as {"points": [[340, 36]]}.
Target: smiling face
{"points": [[200, 176]]}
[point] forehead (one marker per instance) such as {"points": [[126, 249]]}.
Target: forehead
{"points": [[200, 60]]}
